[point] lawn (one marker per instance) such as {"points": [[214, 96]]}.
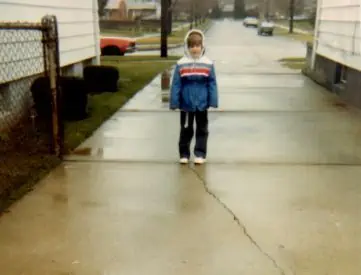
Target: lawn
{"points": [[177, 37], [296, 36], [122, 32], [134, 32], [295, 63], [135, 73], [299, 24]]}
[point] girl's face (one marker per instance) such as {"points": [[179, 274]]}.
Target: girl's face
{"points": [[195, 45], [195, 50]]}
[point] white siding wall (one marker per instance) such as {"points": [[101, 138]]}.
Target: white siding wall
{"points": [[78, 24], [339, 32]]}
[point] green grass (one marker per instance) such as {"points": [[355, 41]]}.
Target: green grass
{"points": [[26, 160], [296, 36], [134, 32], [126, 33], [114, 60], [32, 172], [135, 73], [156, 40], [177, 37], [295, 63], [299, 24]]}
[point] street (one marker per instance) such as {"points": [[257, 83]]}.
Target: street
{"points": [[280, 193]]}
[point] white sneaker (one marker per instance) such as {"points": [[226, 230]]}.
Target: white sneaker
{"points": [[198, 160], [183, 161]]}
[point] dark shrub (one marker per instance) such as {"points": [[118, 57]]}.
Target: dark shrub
{"points": [[74, 98], [40, 90], [101, 79]]}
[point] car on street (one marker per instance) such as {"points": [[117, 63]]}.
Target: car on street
{"points": [[250, 21], [117, 45], [265, 27]]}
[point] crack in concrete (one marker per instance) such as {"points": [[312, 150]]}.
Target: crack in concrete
{"points": [[238, 221]]}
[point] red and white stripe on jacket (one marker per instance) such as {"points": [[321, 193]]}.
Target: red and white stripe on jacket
{"points": [[200, 67]]}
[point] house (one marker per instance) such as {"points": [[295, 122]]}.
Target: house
{"points": [[116, 10], [143, 9], [310, 6], [335, 56], [228, 10], [131, 9], [78, 30]]}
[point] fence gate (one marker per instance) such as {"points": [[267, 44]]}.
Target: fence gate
{"points": [[31, 128]]}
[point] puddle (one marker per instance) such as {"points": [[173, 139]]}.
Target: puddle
{"points": [[86, 151], [340, 104], [60, 198]]}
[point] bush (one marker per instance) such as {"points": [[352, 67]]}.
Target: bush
{"points": [[101, 79], [40, 90], [74, 98]]}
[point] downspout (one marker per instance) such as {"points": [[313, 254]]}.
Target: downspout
{"points": [[359, 30], [96, 32], [316, 33]]}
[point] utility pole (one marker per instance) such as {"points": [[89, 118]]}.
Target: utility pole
{"points": [[192, 13], [291, 14], [267, 8], [164, 28], [170, 17]]}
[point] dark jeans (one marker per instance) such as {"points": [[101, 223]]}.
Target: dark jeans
{"points": [[187, 132]]}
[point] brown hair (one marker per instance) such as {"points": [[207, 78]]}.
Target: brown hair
{"points": [[194, 39]]}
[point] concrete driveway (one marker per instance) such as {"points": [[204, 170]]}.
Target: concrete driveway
{"points": [[280, 193]]}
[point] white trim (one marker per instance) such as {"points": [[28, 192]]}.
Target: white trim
{"points": [[359, 18], [202, 60], [96, 31], [193, 74], [315, 35]]}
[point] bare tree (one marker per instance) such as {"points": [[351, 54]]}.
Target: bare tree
{"points": [[197, 10], [165, 5], [283, 6], [101, 6], [239, 9]]}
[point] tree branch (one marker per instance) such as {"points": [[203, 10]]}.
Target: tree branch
{"points": [[172, 5]]}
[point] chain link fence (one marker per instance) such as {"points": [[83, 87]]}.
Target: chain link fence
{"points": [[30, 142]]}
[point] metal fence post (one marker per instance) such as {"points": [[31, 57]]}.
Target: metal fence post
{"points": [[52, 68], [29, 64]]}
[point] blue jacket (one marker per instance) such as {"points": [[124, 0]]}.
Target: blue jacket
{"points": [[194, 84]]}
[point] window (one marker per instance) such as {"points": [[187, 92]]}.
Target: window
{"points": [[340, 74]]}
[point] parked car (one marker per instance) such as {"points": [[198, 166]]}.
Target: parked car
{"points": [[117, 45], [266, 27], [250, 21]]}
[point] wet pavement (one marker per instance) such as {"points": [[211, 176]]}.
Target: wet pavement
{"points": [[280, 193]]}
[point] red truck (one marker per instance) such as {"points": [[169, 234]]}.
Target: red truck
{"points": [[117, 45]]}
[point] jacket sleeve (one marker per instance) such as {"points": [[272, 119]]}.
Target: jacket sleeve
{"points": [[175, 89], [212, 89]]}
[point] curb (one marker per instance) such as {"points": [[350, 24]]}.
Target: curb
{"points": [[151, 47]]}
